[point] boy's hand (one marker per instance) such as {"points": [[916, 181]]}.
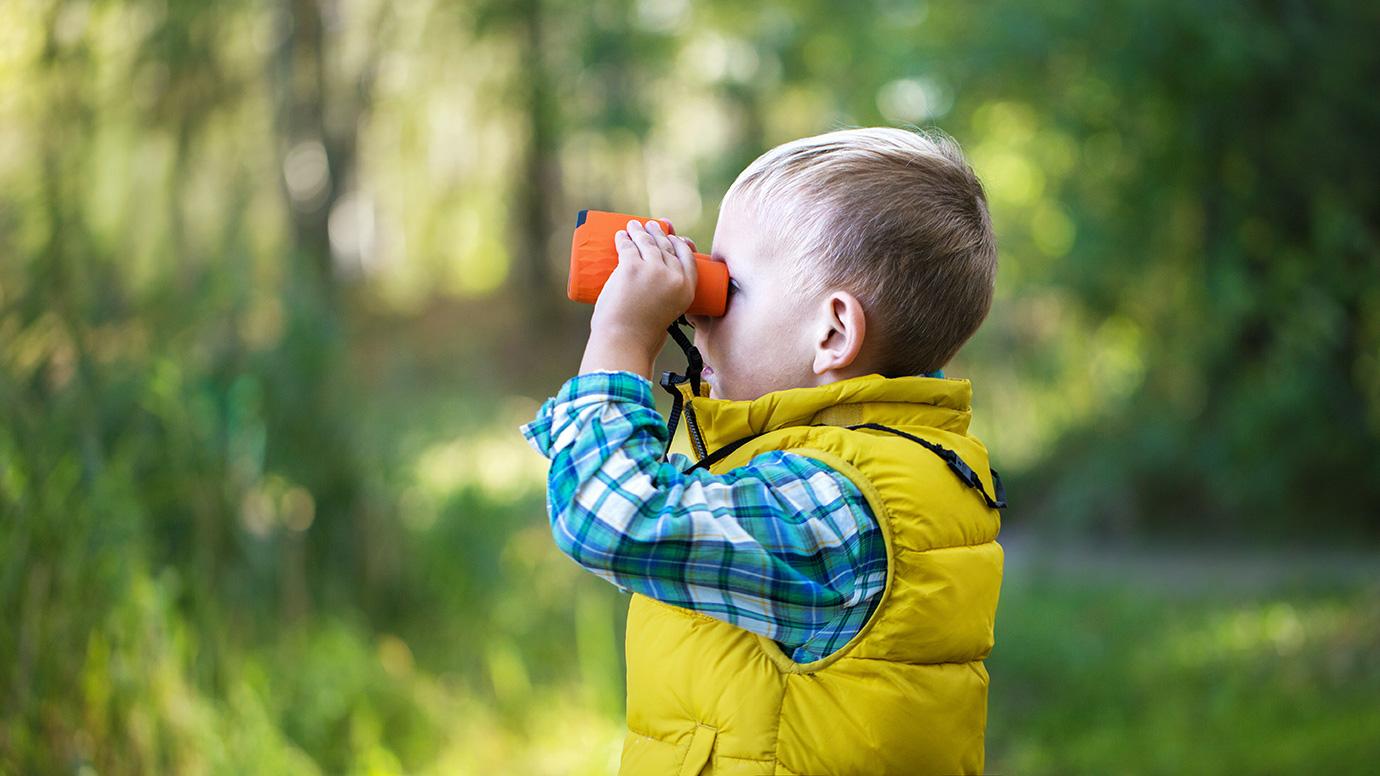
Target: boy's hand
{"points": [[653, 284]]}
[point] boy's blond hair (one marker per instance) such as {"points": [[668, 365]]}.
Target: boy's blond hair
{"points": [[894, 216]]}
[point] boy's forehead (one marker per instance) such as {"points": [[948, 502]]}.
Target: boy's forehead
{"points": [[735, 233], [743, 242]]}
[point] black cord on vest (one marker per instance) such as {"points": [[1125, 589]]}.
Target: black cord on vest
{"points": [[721, 453], [954, 462]]}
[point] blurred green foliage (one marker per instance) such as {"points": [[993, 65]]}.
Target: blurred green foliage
{"points": [[1212, 213], [278, 281]]}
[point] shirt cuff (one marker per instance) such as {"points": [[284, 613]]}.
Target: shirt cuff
{"points": [[581, 391]]}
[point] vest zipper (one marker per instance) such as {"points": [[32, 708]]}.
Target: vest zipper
{"points": [[693, 427]]}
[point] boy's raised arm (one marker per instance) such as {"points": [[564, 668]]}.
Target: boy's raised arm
{"points": [[783, 547]]}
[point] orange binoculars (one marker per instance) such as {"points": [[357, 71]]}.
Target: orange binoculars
{"points": [[593, 258]]}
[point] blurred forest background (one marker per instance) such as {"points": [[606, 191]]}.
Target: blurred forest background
{"points": [[280, 280]]}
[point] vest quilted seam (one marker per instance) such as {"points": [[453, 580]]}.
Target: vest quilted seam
{"points": [[940, 548], [641, 734], [718, 756], [780, 708], [648, 736], [894, 661]]}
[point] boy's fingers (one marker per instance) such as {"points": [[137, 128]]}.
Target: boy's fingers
{"points": [[648, 245], [636, 234], [662, 241], [629, 254], [687, 258]]}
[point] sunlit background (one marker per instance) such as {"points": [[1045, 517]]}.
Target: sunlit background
{"points": [[280, 280]]}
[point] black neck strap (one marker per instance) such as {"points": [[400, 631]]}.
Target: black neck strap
{"points": [[670, 381]]}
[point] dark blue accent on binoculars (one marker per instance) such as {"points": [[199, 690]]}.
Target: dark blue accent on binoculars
{"points": [[580, 219]]}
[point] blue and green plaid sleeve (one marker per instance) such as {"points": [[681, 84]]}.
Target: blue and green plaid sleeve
{"points": [[784, 546]]}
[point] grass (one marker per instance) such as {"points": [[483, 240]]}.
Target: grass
{"points": [[1184, 663]]}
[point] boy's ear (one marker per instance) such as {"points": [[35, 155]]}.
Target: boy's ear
{"points": [[840, 332]]}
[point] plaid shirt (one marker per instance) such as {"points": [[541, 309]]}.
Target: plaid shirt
{"points": [[783, 546]]}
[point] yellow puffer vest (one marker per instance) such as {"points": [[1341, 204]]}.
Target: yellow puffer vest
{"points": [[908, 694]]}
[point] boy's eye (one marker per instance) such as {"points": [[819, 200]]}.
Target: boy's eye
{"points": [[732, 286]]}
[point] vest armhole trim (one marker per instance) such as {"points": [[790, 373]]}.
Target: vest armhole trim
{"points": [[879, 510]]}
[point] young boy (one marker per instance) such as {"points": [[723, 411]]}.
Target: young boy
{"points": [[819, 598]]}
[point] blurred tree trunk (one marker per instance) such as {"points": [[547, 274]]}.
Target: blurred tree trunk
{"points": [[313, 158], [539, 187], [318, 125]]}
